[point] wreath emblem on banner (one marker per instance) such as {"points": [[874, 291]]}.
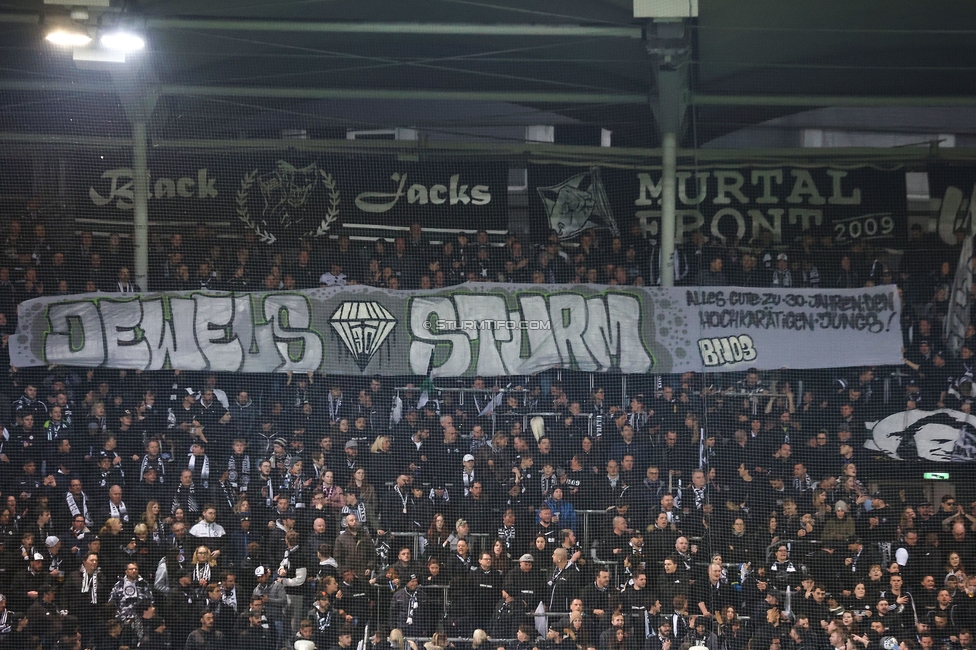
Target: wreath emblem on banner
{"points": [[293, 201]]}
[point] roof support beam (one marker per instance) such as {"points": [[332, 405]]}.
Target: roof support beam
{"points": [[412, 29], [584, 157], [812, 101], [525, 97], [389, 28], [819, 101]]}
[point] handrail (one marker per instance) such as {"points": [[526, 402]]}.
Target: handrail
{"points": [[456, 389], [457, 639], [789, 543], [554, 414]]}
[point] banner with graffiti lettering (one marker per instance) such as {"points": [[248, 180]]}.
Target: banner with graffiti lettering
{"points": [[473, 329], [755, 205]]}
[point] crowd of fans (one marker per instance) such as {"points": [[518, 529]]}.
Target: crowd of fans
{"points": [[188, 510]]}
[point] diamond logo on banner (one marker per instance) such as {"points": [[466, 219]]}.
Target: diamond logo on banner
{"points": [[363, 327]]}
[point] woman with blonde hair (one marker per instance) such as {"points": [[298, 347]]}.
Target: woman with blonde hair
{"points": [[153, 522], [396, 638], [204, 563], [143, 550], [97, 423], [110, 558], [579, 631], [477, 639], [438, 642], [381, 461]]}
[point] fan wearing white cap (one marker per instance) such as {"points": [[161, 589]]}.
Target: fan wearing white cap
{"points": [[468, 474], [27, 583], [272, 591], [53, 545]]}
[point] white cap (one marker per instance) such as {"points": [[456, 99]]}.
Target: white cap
{"points": [[51, 541], [901, 556], [37, 556], [467, 457], [260, 571]]}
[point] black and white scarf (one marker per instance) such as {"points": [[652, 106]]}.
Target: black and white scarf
{"points": [[189, 494], [468, 480], [637, 421], [359, 510], [201, 572], [269, 486], [82, 509], [158, 531], [324, 618], [230, 598], [204, 469], [549, 484], [508, 536], [295, 483], [155, 463], [118, 511], [56, 430], [335, 408], [239, 471], [89, 584]]}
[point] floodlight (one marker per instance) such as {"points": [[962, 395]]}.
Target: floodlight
{"points": [[122, 41], [68, 38]]}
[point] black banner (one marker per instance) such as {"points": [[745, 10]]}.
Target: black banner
{"points": [[738, 203], [287, 195]]}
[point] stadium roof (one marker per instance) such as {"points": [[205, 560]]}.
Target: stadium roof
{"points": [[220, 68]]}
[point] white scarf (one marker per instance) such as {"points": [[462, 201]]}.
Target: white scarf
{"points": [[359, 510], [230, 599], [89, 584], [118, 511], [335, 405], [79, 510], [204, 470], [239, 476], [269, 483], [201, 574], [156, 464]]}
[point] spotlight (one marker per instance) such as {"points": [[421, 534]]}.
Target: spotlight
{"points": [[68, 38], [126, 42]]}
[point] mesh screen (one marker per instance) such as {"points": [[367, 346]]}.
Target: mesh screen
{"points": [[171, 509]]}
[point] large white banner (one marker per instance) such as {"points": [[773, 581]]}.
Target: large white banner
{"points": [[473, 329]]}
